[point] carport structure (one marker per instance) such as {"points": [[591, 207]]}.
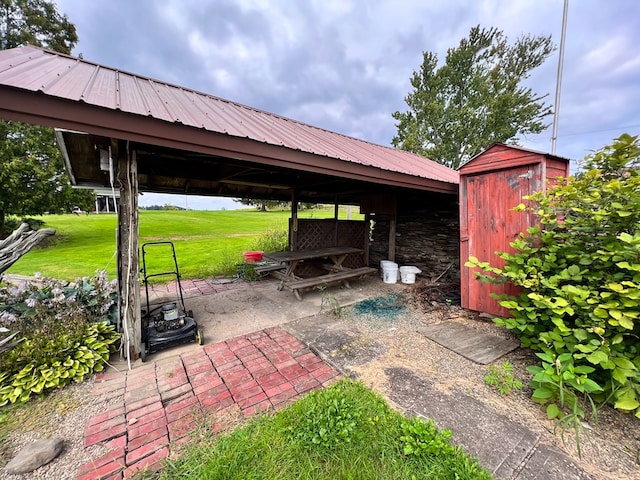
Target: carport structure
{"points": [[139, 134]]}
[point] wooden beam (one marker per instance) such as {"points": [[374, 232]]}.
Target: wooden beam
{"points": [[48, 110], [128, 262]]}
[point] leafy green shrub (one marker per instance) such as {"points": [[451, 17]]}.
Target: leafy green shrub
{"points": [[67, 330], [561, 382], [501, 377], [421, 438], [580, 274], [330, 421]]}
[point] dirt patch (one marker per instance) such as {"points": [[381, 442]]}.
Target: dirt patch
{"points": [[613, 450]]}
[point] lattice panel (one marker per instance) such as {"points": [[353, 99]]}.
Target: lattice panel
{"points": [[314, 234], [351, 234], [320, 233]]}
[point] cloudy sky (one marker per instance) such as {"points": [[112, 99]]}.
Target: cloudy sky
{"points": [[345, 65]]}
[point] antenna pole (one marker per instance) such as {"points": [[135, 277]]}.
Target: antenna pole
{"points": [[554, 135]]}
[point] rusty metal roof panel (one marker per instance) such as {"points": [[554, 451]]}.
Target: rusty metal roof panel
{"points": [[102, 89], [73, 84], [156, 107], [77, 79], [37, 72], [131, 98], [210, 119]]}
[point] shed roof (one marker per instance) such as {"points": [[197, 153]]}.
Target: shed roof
{"points": [[192, 141], [500, 156]]}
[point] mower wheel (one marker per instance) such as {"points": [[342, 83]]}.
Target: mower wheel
{"points": [[143, 352], [199, 337]]}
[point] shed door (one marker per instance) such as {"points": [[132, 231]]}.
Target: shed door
{"points": [[488, 225]]}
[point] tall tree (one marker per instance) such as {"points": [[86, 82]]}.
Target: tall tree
{"points": [[32, 176], [261, 205], [475, 99], [37, 22]]}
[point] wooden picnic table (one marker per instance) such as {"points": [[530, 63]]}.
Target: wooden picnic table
{"points": [[283, 266]]}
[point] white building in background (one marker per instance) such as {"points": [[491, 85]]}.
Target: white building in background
{"points": [[105, 200]]}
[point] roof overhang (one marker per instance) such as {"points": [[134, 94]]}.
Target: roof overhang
{"points": [[174, 158], [191, 142]]}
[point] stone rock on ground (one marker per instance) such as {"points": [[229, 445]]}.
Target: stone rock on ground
{"points": [[35, 455]]}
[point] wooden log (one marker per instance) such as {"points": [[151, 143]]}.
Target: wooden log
{"points": [[19, 243]]}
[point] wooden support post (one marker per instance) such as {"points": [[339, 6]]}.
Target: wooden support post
{"points": [[367, 235], [336, 212], [392, 238], [128, 262], [293, 229]]}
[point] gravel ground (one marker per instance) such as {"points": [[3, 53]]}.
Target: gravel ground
{"points": [[612, 451], [61, 414]]}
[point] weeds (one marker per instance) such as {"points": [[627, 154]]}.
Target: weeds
{"points": [[502, 379], [329, 302], [273, 240]]}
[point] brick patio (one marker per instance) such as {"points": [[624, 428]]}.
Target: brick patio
{"points": [[194, 287], [161, 401]]}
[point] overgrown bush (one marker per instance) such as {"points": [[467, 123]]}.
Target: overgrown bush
{"points": [[12, 223], [580, 274], [273, 240], [68, 330]]}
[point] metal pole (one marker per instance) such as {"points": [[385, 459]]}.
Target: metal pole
{"points": [[554, 135]]}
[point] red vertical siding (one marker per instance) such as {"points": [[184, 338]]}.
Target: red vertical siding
{"points": [[555, 169]]}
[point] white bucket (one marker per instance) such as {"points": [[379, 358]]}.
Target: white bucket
{"points": [[390, 272], [385, 263], [408, 274]]}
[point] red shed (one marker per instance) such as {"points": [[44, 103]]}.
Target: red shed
{"points": [[491, 184]]}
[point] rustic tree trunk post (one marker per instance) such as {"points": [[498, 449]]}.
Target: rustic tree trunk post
{"points": [[128, 262]]}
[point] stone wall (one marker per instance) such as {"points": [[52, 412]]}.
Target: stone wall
{"points": [[427, 235]]}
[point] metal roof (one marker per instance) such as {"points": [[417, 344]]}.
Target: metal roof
{"points": [[54, 76], [515, 147]]}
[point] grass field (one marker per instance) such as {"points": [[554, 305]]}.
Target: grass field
{"points": [[207, 243]]}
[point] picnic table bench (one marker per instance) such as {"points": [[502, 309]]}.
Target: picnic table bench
{"points": [[282, 265]]}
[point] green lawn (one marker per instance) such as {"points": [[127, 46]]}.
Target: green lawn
{"points": [[207, 242], [342, 432]]}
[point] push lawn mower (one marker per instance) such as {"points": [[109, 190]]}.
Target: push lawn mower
{"points": [[166, 325]]}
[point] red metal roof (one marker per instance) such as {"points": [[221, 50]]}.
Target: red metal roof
{"points": [[57, 75], [470, 165]]}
